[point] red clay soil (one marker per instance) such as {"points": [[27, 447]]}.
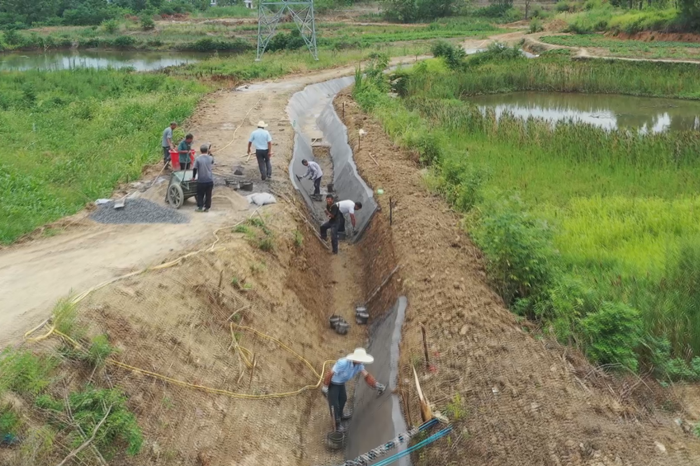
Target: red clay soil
{"points": [[514, 399]]}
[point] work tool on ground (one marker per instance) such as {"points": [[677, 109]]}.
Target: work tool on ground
{"points": [[181, 187]]}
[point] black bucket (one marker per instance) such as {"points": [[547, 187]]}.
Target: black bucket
{"points": [[361, 318], [246, 185], [342, 328], [335, 440], [330, 187], [333, 321]]}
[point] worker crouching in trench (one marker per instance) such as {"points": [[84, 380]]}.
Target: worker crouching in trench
{"points": [[343, 371]]}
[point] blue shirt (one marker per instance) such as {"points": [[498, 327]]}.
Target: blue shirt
{"points": [[344, 370], [260, 138]]}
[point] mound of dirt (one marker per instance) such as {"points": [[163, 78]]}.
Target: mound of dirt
{"points": [[514, 399]]}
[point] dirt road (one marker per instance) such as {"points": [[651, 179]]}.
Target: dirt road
{"points": [[33, 276]]}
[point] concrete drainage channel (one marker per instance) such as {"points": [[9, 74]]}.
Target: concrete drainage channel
{"points": [[377, 419]]}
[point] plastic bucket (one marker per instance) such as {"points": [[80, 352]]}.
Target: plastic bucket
{"points": [[175, 159], [335, 440]]}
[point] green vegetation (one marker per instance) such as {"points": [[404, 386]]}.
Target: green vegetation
{"points": [[88, 408], [606, 261], [75, 134], [629, 48]]}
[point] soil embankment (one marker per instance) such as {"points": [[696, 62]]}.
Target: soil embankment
{"points": [[516, 400]]}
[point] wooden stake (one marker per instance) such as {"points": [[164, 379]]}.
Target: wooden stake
{"points": [[252, 369], [425, 346], [373, 159], [218, 294], [426, 413]]}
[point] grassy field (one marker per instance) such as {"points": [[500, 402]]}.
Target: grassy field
{"points": [[629, 48], [604, 260], [229, 34], [75, 135]]}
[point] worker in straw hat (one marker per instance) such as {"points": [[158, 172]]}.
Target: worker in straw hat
{"points": [[343, 371], [263, 149]]}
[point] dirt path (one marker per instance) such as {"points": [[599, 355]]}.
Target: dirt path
{"points": [[532, 43]]}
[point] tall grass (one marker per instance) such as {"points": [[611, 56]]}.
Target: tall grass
{"points": [[234, 11], [593, 232], [74, 135]]}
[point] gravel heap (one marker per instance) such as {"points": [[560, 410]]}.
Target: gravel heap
{"points": [[137, 211]]}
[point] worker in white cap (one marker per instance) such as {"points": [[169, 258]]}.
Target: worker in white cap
{"points": [[343, 371], [263, 149]]}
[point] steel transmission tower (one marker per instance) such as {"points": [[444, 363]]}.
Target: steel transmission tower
{"points": [[271, 13]]}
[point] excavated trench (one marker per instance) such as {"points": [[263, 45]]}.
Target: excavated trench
{"points": [[320, 135]]}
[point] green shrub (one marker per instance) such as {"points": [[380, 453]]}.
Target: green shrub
{"points": [[110, 26], [12, 37], [89, 406], [612, 334], [298, 238], [536, 25], [208, 44], [266, 244], [124, 42], [99, 351], [147, 23], [452, 54], [520, 259], [513, 14], [25, 373], [9, 421]]}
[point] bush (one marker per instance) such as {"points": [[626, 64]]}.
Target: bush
{"points": [[124, 42], [110, 26], [12, 37], [90, 406], [494, 10], [520, 259], [147, 23], [99, 351], [452, 54], [612, 334], [25, 373], [9, 422], [289, 41], [409, 11], [208, 44], [535, 26], [496, 52], [513, 14]]}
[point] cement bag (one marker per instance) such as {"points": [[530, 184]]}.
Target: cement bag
{"points": [[261, 199]]}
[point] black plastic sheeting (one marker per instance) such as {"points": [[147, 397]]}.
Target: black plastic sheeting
{"points": [[377, 418], [313, 116]]}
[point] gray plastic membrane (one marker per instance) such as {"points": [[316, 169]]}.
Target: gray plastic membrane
{"points": [[314, 119], [377, 418]]}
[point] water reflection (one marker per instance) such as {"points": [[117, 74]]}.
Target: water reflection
{"points": [[65, 60], [605, 111]]}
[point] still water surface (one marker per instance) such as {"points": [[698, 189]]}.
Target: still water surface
{"points": [[605, 111], [64, 60]]}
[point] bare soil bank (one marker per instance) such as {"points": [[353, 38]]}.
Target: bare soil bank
{"points": [[524, 401]]}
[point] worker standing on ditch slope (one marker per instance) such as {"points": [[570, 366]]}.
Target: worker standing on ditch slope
{"points": [[167, 141], [343, 371], [315, 173], [263, 149], [205, 178]]}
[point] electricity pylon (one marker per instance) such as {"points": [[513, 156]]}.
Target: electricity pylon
{"points": [[271, 13]]}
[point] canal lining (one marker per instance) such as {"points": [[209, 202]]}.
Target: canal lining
{"points": [[314, 119], [376, 418]]}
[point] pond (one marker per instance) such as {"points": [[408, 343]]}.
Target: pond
{"points": [[68, 59], [605, 111]]}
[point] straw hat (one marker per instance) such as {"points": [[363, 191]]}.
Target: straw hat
{"points": [[360, 355], [261, 124]]}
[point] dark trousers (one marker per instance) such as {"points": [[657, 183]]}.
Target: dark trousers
{"points": [[335, 225], [166, 154], [264, 164], [337, 397], [204, 194], [186, 165], [317, 186]]}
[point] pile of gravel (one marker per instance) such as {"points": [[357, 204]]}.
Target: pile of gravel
{"points": [[137, 211]]}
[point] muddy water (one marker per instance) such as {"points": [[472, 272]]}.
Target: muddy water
{"points": [[66, 60], [606, 111]]}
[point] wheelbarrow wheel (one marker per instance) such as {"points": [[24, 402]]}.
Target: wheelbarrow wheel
{"points": [[175, 196]]}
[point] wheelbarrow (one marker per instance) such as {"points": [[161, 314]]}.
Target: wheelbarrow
{"points": [[181, 187]]}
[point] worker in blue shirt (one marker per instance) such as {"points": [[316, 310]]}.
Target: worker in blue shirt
{"points": [[343, 371]]}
